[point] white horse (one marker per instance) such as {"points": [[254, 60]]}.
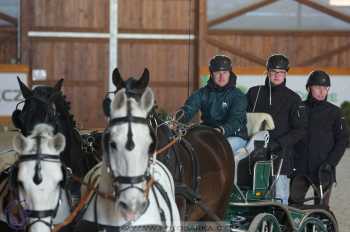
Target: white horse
{"points": [[127, 172], [33, 196]]}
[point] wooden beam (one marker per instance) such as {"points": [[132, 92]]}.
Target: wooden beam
{"points": [[239, 12], [325, 55], [231, 32], [3, 39], [298, 71], [153, 31], [236, 51], [325, 9], [8, 29], [27, 16], [200, 48], [8, 18], [71, 83]]}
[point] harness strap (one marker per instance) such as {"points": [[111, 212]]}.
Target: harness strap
{"points": [[161, 211], [195, 164], [130, 179], [167, 201], [82, 203]]}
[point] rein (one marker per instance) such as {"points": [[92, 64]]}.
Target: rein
{"points": [[87, 197]]}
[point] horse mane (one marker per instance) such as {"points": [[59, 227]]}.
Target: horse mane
{"points": [[61, 103]]}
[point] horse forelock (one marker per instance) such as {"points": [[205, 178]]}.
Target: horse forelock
{"points": [[43, 130], [47, 105]]}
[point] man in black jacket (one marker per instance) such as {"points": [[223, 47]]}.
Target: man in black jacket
{"points": [[321, 150], [287, 111]]}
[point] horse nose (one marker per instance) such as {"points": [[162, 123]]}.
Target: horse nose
{"points": [[132, 210], [123, 205]]}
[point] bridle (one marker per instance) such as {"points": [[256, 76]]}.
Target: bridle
{"points": [[38, 157], [132, 181]]}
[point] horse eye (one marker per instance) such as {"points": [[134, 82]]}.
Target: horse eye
{"points": [[113, 145]]}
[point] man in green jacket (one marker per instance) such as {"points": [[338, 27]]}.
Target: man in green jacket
{"points": [[222, 105]]}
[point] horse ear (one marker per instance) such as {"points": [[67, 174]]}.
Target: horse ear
{"points": [[26, 92], [117, 79], [53, 96], [19, 143], [119, 100], [59, 142], [147, 100], [58, 85], [142, 83]]}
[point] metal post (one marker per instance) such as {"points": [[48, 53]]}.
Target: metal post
{"points": [[113, 41], [18, 55]]}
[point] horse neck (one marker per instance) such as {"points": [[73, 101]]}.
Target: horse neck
{"points": [[71, 153], [105, 183], [67, 130], [64, 208]]}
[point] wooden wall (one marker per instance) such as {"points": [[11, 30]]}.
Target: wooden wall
{"points": [[173, 64], [303, 48], [83, 63], [8, 45], [170, 62]]}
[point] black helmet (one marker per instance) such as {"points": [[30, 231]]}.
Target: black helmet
{"points": [[220, 63], [318, 77], [277, 61]]}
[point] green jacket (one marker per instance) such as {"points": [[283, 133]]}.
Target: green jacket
{"points": [[223, 108]]}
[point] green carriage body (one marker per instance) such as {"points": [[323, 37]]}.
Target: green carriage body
{"points": [[253, 208]]}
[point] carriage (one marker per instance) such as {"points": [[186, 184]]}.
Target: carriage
{"points": [[252, 206]]}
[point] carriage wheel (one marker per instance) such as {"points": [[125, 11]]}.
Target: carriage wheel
{"points": [[312, 224], [328, 221], [264, 222], [182, 204]]}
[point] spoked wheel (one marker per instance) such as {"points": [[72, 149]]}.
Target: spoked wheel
{"points": [[312, 224], [183, 207], [318, 220], [264, 222]]}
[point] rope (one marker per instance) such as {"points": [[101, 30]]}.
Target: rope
{"points": [[166, 147], [86, 198], [83, 200], [95, 189]]}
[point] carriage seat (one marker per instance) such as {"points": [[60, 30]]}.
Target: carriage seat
{"points": [[258, 125]]}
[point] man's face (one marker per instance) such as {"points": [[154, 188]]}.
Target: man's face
{"points": [[277, 76], [221, 78], [319, 92]]}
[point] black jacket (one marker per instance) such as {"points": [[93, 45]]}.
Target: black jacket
{"points": [[288, 113], [326, 140]]}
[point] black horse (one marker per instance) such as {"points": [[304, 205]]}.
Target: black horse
{"points": [[201, 162], [46, 104]]}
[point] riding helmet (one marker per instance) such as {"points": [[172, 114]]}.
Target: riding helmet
{"points": [[220, 63], [277, 61], [318, 77]]}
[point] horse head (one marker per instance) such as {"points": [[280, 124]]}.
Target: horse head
{"points": [[37, 178], [39, 107], [133, 87], [128, 143]]}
